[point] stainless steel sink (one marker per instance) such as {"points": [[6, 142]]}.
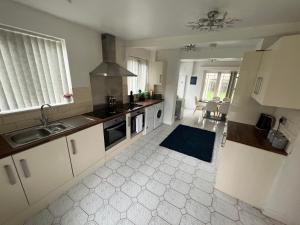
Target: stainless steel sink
{"points": [[57, 127], [29, 135]]}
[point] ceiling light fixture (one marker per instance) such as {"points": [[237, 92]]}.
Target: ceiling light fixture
{"points": [[189, 47], [214, 21]]}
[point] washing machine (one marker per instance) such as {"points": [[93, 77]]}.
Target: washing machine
{"points": [[158, 114]]}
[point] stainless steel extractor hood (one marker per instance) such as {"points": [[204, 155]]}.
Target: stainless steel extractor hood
{"points": [[109, 67]]}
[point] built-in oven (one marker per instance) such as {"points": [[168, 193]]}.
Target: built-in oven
{"points": [[114, 131], [137, 119]]}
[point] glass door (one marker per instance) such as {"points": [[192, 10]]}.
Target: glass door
{"points": [[215, 85], [210, 86]]}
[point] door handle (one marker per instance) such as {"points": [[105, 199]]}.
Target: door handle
{"points": [[73, 145], [10, 174], [25, 168], [224, 139]]}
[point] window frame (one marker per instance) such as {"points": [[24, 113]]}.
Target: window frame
{"points": [[147, 73], [218, 81], [65, 60]]}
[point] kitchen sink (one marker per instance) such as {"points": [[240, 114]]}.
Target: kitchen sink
{"points": [[29, 135], [58, 127]]}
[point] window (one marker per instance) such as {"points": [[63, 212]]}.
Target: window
{"points": [[210, 86], [219, 84], [140, 68], [34, 70]]}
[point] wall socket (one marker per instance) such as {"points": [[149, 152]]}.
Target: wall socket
{"points": [[283, 120]]}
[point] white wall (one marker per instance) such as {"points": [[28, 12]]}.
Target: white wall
{"points": [[284, 200], [244, 108], [218, 52], [83, 44], [171, 59], [193, 90], [138, 52], [185, 70]]}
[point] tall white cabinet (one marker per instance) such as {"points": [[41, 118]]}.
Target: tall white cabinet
{"points": [[12, 197], [43, 168]]}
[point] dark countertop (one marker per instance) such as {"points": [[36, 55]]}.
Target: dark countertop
{"points": [[7, 150], [143, 104], [249, 135]]}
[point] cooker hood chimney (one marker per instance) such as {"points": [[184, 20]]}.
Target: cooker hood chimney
{"points": [[109, 67]]}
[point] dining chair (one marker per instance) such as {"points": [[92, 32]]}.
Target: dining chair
{"points": [[198, 105], [223, 110], [216, 99], [226, 99], [210, 107]]}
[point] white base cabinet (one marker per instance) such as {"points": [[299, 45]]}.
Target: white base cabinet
{"points": [[12, 197], [247, 173], [43, 168], [86, 147]]}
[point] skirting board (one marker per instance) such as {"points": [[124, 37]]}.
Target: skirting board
{"points": [[277, 216]]}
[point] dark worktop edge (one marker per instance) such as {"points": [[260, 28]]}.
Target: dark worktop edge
{"points": [[248, 135], [6, 150]]}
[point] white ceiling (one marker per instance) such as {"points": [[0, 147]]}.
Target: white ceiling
{"points": [[140, 19]]}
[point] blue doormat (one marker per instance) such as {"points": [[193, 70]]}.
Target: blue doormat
{"points": [[191, 141]]}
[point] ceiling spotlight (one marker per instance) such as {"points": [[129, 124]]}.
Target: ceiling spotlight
{"points": [[213, 21], [189, 47]]}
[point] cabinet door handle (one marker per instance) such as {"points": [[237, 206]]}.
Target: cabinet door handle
{"points": [[10, 174], [73, 145], [25, 168], [224, 139]]}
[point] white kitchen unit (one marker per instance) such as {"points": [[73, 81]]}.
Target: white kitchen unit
{"points": [[157, 72], [86, 147], [277, 82], [12, 197], [247, 173], [43, 168], [149, 119], [158, 114]]}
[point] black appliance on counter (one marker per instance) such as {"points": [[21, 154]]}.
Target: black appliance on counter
{"points": [[114, 131], [111, 104], [265, 122]]}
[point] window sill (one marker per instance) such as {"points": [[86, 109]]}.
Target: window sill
{"points": [[7, 113]]}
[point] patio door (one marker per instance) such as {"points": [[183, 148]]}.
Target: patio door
{"points": [[215, 85]]}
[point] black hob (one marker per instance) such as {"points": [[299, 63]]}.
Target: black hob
{"points": [[104, 112]]}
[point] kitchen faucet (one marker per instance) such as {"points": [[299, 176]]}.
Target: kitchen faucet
{"points": [[44, 118]]}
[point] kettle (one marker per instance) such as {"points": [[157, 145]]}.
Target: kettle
{"points": [[265, 122]]}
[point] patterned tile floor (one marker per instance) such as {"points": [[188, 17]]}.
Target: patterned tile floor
{"points": [[148, 184]]}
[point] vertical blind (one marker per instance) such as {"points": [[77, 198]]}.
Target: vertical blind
{"points": [[34, 70], [140, 68]]}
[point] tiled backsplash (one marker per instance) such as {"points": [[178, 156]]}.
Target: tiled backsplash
{"points": [[292, 127], [82, 104]]}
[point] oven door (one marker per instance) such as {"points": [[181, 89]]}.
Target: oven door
{"points": [[114, 134]]}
